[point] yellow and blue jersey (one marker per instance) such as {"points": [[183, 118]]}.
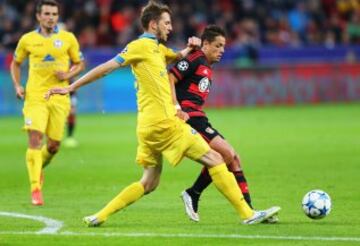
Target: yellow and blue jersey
{"points": [[46, 56], [148, 60]]}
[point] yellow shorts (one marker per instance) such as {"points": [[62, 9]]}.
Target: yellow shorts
{"points": [[172, 139], [48, 117]]}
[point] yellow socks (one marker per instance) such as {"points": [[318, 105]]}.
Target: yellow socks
{"points": [[127, 196], [225, 182], [46, 156], [34, 164]]}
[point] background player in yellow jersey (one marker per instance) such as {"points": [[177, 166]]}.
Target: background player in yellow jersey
{"points": [[160, 132], [51, 52]]}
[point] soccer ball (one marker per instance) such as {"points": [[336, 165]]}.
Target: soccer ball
{"points": [[316, 204]]}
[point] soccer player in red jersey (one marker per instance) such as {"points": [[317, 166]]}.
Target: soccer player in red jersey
{"points": [[192, 78]]}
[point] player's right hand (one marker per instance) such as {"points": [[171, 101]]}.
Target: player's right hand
{"points": [[58, 91], [20, 93]]}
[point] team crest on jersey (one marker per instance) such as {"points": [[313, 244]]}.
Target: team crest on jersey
{"points": [[204, 84], [58, 43], [210, 130], [183, 65], [193, 131], [28, 121]]}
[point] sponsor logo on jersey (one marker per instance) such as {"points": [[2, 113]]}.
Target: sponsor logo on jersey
{"points": [[210, 130], [58, 43], [204, 84], [48, 58], [183, 65]]}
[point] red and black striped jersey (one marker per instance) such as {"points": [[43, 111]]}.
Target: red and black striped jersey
{"points": [[194, 81]]}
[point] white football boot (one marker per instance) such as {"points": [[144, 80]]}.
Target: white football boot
{"points": [[262, 215]]}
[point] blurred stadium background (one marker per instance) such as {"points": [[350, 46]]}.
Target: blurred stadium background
{"points": [[279, 51]]}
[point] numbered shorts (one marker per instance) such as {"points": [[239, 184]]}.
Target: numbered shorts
{"points": [[48, 117], [172, 139]]}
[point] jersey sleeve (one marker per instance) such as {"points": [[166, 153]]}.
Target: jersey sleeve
{"points": [[170, 54], [75, 54], [183, 68], [132, 53], [21, 52]]}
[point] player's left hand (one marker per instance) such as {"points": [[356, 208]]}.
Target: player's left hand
{"points": [[60, 75], [194, 42], [58, 91]]}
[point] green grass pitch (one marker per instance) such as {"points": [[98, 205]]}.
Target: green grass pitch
{"points": [[285, 151]]}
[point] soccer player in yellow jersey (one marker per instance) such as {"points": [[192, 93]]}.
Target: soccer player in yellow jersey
{"points": [[160, 133], [51, 52]]}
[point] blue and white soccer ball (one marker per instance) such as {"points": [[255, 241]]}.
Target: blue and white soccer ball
{"points": [[316, 204]]}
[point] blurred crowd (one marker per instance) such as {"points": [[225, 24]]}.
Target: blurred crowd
{"points": [[99, 23]]}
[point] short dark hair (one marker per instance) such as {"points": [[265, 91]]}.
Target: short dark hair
{"points": [[211, 32], [41, 3], [152, 11]]}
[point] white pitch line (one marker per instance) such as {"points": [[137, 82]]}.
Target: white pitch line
{"points": [[185, 235], [51, 226]]}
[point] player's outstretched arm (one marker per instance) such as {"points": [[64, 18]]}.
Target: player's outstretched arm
{"points": [[89, 77]]}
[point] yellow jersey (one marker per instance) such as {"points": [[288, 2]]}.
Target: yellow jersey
{"points": [[148, 60], [46, 56]]}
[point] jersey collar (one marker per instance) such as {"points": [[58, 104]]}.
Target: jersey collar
{"points": [[149, 35], [56, 29]]}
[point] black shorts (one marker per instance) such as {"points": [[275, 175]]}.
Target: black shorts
{"points": [[203, 126]]}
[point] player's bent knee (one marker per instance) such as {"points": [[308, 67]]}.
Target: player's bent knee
{"points": [[211, 158], [149, 185], [217, 158], [53, 146], [148, 188], [53, 149], [35, 139], [228, 157], [232, 162]]}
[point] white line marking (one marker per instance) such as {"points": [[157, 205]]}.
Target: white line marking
{"points": [[51, 226], [184, 235]]}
